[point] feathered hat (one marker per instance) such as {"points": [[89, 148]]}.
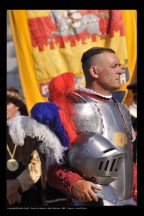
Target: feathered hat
{"points": [[47, 113], [59, 87], [58, 113]]}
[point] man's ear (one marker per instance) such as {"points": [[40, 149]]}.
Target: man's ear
{"points": [[93, 72]]}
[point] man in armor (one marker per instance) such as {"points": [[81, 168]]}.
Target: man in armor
{"points": [[99, 168]]}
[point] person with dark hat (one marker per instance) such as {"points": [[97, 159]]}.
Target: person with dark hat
{"points": [[133, 87], [16, 104], [133, 107], [133, 112], [24, 163]]}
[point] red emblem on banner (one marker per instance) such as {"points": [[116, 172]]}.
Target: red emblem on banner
{"points": [[74, 25]]}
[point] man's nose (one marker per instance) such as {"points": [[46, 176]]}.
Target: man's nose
{"points": [[121, 70]]}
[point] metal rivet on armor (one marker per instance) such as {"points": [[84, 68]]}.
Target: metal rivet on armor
{"points": [[84, 124], [87, 150], [81, 130]]}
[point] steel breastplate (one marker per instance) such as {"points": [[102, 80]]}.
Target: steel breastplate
{"points": [[113, 122]]}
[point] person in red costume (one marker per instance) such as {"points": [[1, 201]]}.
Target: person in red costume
{"points": [[133, 111], [102, 71]]}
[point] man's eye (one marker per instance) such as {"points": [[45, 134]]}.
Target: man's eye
{"points": [[114, 66], [117, 65]]}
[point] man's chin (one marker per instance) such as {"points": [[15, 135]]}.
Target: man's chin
{"points": [[116, 88]]}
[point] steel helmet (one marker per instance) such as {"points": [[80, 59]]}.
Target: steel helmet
{"points": [[95, 158]]}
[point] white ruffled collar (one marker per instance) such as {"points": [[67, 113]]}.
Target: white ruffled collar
{"points": [[94, 93]]}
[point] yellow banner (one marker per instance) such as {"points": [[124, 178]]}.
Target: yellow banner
{"points": [[51, 42], [130, 24]]}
